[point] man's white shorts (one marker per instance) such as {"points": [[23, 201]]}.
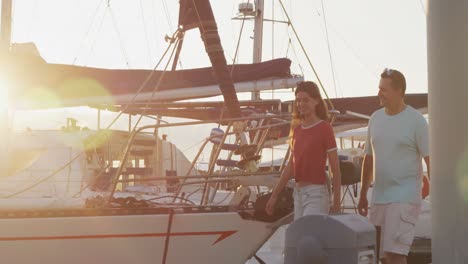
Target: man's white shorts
{"points": [[397, 225]]}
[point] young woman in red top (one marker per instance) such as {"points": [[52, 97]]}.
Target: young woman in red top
{"points": [[313, 141]]}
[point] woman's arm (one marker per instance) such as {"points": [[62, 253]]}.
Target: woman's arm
{"points": [[334, 164], [284, 178]]}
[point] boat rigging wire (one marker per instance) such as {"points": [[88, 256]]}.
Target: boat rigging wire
{"points": [[329, 50], [156, 88], [117, 31], [193, 192], [146, 32], [295, 55], [168, 15], [169, 23], [174, 36], [81, 45], [238, 41], [306, 55], [290, 44], [115, 179], [193, 145], [108, 127]]}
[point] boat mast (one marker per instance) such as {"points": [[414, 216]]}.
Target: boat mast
{"points": [[5, 40], [258, 39], [5, 31]]}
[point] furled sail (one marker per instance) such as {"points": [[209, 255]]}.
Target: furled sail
{"points": [[29, 75], [198, 14]]}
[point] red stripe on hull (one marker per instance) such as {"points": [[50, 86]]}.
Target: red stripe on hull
{"points": [[222, 235]]}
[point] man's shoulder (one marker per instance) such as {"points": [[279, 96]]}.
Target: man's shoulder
{"points": [[377, 113], [415, 114]]}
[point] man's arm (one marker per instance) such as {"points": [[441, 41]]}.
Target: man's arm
{"points": [[366, 179]]}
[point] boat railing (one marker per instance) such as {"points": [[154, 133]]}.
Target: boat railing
{"points": [[211, 177]]}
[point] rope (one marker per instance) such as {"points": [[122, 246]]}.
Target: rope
{"points": [[44, 179], [146, 105], [307, 56], [170, 196], [144, 83], [156, 88], [225, 198]]}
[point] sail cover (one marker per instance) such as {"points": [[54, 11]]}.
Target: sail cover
{"points": [[28, 73]]}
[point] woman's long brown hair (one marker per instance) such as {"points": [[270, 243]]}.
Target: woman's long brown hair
{"points": [[312, 90], [321, 108]]}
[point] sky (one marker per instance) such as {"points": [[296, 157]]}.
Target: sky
{"points": [[364, 37]]}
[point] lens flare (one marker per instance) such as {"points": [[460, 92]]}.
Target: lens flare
{"points": [[84, 91], [97, 140], [40, 97], [70, 93], [3, 94]]}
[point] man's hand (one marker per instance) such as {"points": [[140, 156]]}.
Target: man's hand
{"points": [[270, 206], [363, 205]]}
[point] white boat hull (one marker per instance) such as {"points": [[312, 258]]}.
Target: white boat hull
{"points": [[194, 238]]}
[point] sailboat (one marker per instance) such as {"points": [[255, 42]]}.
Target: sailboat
{"points": [[108, 228], [123, 229]]}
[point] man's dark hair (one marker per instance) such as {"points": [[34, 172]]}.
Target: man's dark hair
{"points": [[398, 79]]}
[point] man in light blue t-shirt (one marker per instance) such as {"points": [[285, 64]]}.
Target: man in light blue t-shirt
{"points": [[397, 140]]}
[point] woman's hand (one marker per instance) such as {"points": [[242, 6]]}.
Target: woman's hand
{"points": [[270, 206]]}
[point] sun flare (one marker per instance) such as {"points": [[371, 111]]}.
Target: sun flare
{"points": [[3, 95]]}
